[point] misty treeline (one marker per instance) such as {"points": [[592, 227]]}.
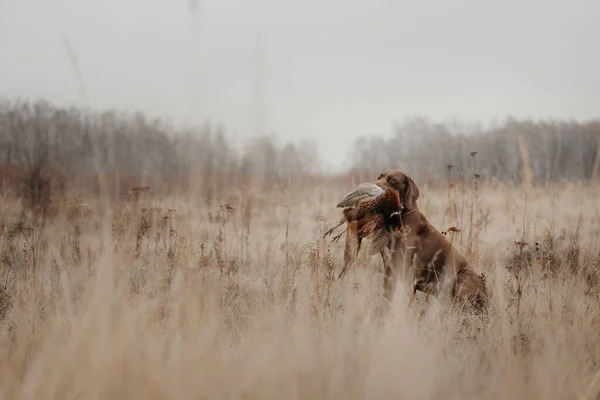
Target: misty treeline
{"points": [[40, 137], [553, 149], [37, 137]]}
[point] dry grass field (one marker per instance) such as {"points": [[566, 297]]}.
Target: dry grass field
{"points": [[165, 298]]}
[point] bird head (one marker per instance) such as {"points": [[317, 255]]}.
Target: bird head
{"points": [[394, 222]]}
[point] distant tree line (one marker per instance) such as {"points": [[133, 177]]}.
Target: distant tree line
{"points": [[38, 137], [556, 150]]}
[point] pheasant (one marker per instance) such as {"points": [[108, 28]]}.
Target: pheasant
{"points": [[374, 211]]}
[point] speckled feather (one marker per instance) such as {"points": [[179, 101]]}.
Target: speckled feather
{"points": [[374, 230], [363, 192]]}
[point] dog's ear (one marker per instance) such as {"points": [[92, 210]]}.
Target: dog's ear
{"points": [[412, 193]]}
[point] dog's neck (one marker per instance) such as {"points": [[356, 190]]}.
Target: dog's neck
{"points": [[410, 217], [406, 212]]}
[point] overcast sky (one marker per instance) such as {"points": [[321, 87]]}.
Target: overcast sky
{"points": [[327, 70]]}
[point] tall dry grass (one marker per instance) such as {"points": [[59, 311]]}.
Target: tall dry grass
{"points": [[161, 297]]}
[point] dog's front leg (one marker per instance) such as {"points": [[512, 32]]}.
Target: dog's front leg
{"points": [[420, 273], [390, 259], [392, 265]]}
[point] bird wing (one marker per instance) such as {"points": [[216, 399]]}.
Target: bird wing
{"points": [[379, 240], [374, 230], [363, 191]]}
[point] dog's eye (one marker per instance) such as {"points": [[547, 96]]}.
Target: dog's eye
{"points": [[391, 179]]}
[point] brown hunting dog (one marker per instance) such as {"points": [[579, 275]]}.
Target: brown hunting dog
{"points": [[422, 255]]}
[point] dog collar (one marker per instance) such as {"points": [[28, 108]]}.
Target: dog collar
{"points": [[404, 212]]}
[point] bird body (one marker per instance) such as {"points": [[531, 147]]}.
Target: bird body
{"points": [[375, 212]]}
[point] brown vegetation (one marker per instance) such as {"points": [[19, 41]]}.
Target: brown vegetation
{"points": [[163, 297], [168, 292]]}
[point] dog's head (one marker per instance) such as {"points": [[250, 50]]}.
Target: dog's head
{"points": [[406, 187]]}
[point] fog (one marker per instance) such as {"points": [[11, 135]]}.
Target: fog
{"points": [[327, 71]]}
